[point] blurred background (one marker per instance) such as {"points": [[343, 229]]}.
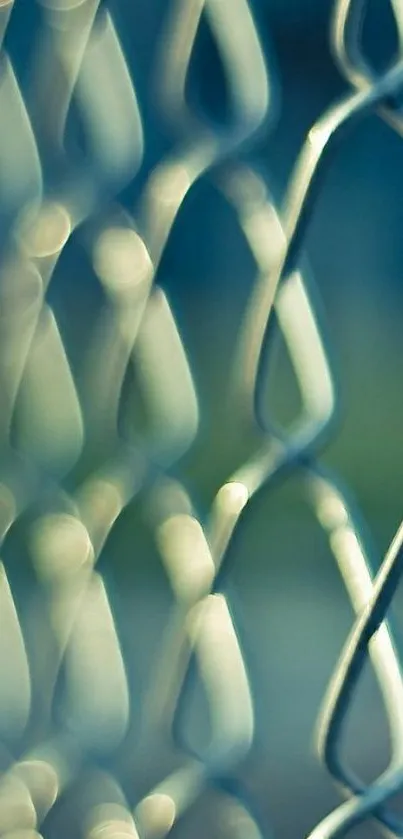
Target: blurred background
{"points": [[288, 601]]}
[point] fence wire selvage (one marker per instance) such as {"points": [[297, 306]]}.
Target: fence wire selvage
{"points": [[202, 619]]}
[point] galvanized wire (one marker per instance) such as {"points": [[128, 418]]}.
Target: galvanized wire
{"points": [[51, 197]]}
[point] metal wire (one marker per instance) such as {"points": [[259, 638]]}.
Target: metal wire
{"points": [[55, 195]]}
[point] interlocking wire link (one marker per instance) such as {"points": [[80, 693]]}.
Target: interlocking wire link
{"points": [[74, 461]]}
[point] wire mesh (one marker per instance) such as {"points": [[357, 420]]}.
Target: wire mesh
{"points": [[74, 141]]}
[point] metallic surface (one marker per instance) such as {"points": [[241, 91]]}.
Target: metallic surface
{"points": [[50, 196]]}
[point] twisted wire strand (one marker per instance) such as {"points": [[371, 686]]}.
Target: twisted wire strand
{"points": [[85, 578]]}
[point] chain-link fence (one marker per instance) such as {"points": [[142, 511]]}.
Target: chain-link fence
{"points": [[129, 680]]}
